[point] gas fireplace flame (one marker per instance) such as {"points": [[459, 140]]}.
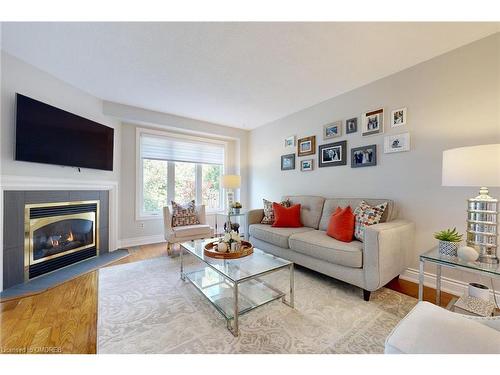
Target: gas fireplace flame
{"points": [[70, 237]]}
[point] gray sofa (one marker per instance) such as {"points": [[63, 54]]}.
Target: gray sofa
{"points": [[369, 265]]}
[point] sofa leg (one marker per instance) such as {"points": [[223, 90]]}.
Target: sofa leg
{"points": [[366, 295]]}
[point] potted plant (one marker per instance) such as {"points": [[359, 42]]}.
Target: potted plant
{"points": [[236, 206], [449, 241]]}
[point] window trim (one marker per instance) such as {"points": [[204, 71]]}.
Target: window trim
{"points": [[140, 215]]}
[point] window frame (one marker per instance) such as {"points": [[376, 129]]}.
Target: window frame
{"points": [[140, 214]]}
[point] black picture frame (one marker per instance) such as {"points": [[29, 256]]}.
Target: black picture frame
{"points": [[290, 157], [355, 159], [351, 125], [327, 154]]}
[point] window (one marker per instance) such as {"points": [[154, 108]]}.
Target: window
{"points": [[180, 169]]}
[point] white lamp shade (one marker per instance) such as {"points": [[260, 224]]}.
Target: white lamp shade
{"points": [[472, 166], [231, 181]]}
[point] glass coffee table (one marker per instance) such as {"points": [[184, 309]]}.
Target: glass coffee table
{"points": [[235, 286]]}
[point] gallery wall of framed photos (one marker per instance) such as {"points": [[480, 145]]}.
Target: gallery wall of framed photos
{"points": [[336, 153]]}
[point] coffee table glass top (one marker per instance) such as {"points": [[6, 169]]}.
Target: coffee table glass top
{"points": [[237, 269], [434, 256]]}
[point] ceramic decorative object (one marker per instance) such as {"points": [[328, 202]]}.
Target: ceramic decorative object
{"points": [[467, 253], [448, 248], [449, 242]]}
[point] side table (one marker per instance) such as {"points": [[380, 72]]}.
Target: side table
{"points": [[433, 256]]}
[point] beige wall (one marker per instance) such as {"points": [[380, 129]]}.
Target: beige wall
{"points": [[452, 101]]}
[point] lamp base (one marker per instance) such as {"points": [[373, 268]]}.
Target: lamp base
{"points": [[482, 226]]}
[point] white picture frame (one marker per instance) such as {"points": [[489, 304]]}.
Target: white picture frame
{"points": [[290, 142], [397, 143], [372, 122], [307, 165], [399, 117], [332, 130]]}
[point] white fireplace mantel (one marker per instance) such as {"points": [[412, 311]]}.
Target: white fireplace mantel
{"points": [[11, 182]]}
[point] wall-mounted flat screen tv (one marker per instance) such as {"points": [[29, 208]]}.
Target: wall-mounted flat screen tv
{"points": [[46, 134]]}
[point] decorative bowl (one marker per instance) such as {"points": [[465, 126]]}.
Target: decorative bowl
{"points": [[211, 251]]}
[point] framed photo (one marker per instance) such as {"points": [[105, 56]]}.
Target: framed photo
{"points": [[306, 146], [397, 143], [398, 117], [287, 162], [373, 122], [290, 142], [333, 154], [306, 165], [332, 130], [351, 125], [364, 156]]}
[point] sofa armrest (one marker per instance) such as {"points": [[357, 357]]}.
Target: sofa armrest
{"points": [[255, 216], [167, 223], [386, 250], [200, 213]]}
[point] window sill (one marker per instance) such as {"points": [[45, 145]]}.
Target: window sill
{"points": [[149, 217]]}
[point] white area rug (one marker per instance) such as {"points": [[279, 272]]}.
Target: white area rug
{"points": [[145, 308]]}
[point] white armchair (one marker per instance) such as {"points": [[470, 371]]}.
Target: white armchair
{"points": [[187, 232], [429, 329]]}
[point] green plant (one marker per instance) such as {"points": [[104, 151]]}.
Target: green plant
{"points": [[236, 205], [450, 235]]}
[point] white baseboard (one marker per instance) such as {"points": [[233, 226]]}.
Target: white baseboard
{"points": [[448, 285], [138, 241]]}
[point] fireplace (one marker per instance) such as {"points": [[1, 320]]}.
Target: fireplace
{"points": [[59, 234]]}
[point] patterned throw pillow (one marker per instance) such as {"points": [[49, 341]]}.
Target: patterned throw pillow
{"points": [[184, 214], [269, 212], [367, 215]]}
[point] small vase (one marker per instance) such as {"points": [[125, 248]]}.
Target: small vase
{"points": [[236, 211], [448, 248]]}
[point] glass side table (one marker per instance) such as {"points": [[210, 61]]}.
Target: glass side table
{"points": [[241, 219], [433, 256]]}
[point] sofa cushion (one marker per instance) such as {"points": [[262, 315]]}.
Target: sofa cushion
{"points": [[275, 236], [191, 230], [331, 205], [269, 211], [318, 244], [311, 208], [286, 217], [341, 226]]}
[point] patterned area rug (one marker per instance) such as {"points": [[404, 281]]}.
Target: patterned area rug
{"points": [[144, 307]]}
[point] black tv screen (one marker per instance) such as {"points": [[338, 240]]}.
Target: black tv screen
{"points": [[46, 134]]}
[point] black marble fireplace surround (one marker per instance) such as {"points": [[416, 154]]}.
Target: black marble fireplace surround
{"points": [[14, 203]]}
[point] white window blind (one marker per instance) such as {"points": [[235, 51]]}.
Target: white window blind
{"points": [[182, 150]]}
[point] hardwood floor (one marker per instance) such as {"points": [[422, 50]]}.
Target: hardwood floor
{"points": [[64, 319]]}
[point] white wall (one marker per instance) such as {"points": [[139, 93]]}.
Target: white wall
{"points": [[452, 101], [20, 77], [23, 78], [134, 231]]}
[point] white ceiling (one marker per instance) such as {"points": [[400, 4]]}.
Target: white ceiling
{"points": [[237, 74]]}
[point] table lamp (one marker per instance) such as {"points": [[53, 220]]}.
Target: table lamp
{"points": [[230, 182], [477, 166]]}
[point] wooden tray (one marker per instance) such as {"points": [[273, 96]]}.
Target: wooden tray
{"points": [[246, 249]]}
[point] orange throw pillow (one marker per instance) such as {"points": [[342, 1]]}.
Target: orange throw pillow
{"points": [[286, 217], [341, 225]]}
